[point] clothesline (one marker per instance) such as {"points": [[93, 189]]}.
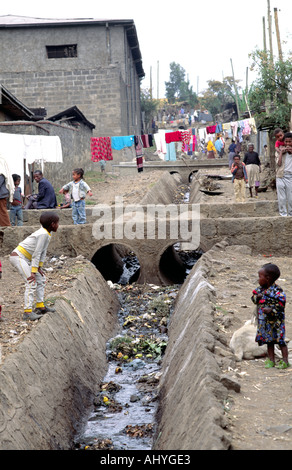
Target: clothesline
{"points": [[101, 147]]}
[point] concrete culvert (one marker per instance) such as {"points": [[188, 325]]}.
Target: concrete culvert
{"points": [[117, 263], [175, 264]]}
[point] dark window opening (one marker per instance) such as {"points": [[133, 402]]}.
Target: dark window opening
{"points": [[60, 52]]}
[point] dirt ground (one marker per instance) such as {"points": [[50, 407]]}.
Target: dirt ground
{"points": [[260, 416]]}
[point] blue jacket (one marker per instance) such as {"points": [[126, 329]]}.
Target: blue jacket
{"points": [[46, 196]]}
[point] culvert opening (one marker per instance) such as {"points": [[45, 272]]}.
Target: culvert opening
{"points": [[117, 263], [177, 261]]}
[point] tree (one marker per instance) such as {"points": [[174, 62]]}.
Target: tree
{"points": [[148, 105], [269, 92], [219, 94], [178, 89]]}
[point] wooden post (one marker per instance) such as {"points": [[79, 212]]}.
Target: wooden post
{"points": [[270, 35], [278, 34], [264, 32], [235, 89], [158, 79]]}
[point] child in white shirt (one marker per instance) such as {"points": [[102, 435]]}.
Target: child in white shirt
{"points": [[28, 258], [78, 189]]}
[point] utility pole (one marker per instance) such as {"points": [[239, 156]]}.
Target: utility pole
{"points": [[270, 35], [278, 34], [235, 89], [265, 36], [158, 79]]}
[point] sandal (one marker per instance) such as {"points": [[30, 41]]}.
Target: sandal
{"points": [[283, 365], [269, 364]]}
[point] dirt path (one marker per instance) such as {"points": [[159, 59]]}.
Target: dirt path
{"points": [[260, 416]]}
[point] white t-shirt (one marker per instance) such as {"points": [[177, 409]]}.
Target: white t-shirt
{"points": [[75, 191], [288, 164]]}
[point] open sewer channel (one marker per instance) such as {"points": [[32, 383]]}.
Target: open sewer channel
{"points": [[124, 411], [123, 415]]}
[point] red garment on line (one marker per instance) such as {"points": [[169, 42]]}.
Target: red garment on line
{"points": [[101, 149], [173, 137], [211, 129]]}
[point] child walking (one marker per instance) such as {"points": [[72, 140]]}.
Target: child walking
{"points": [[78, 189], [239, 179], [16, 204], [28, 259], [270, 300]]}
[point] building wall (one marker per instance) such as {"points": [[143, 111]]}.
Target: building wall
{"points": [[101, 81], [75, 148]]}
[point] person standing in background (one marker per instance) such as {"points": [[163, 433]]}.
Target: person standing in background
{"points": [[6, 192]]}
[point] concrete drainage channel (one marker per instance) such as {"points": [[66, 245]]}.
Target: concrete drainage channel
{"points": [[125, 408], [60, 372]]}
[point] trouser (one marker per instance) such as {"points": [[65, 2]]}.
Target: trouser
{"points": [[31, 202], [239, 190], [284, 192], [78, 212], [4, 216], [32, 289], [16, 214]]}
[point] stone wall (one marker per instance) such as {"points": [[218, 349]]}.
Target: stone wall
{"points": [[47, 386]]}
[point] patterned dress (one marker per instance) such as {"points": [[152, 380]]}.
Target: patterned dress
{"points": [[271, 326]]}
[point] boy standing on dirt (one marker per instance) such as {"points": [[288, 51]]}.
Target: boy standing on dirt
{"points": [[28, 259], [239, 179]]}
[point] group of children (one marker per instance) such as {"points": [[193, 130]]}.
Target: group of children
{"points": [[74, 196]]}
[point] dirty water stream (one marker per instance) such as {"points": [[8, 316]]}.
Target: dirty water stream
{"points": [[123, 412]]}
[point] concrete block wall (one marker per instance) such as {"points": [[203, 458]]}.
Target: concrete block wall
{"points": [[101, 81]]}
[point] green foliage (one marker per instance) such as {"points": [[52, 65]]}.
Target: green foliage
{"points": [[219, 94], [178, 88], [269, 92], [148, 104]]}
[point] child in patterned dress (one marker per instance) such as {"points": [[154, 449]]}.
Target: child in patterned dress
{"points": [[270, 300]]}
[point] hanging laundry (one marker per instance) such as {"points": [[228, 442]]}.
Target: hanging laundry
{"points": [[101, 149], [234, 127], [173, 137], [247, 128], [211, 129], [150, 139], [139, 152], [186, 139], [119, 143], [16, 148], [218, 128]]}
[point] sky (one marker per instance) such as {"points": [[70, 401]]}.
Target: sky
{"points": [[201, 36]]}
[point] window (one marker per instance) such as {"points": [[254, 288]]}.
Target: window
{"points": [[60, 52]]}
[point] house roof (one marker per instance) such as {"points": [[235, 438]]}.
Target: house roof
{"points": [[12, 21], [70, 114], [12, 106]]}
